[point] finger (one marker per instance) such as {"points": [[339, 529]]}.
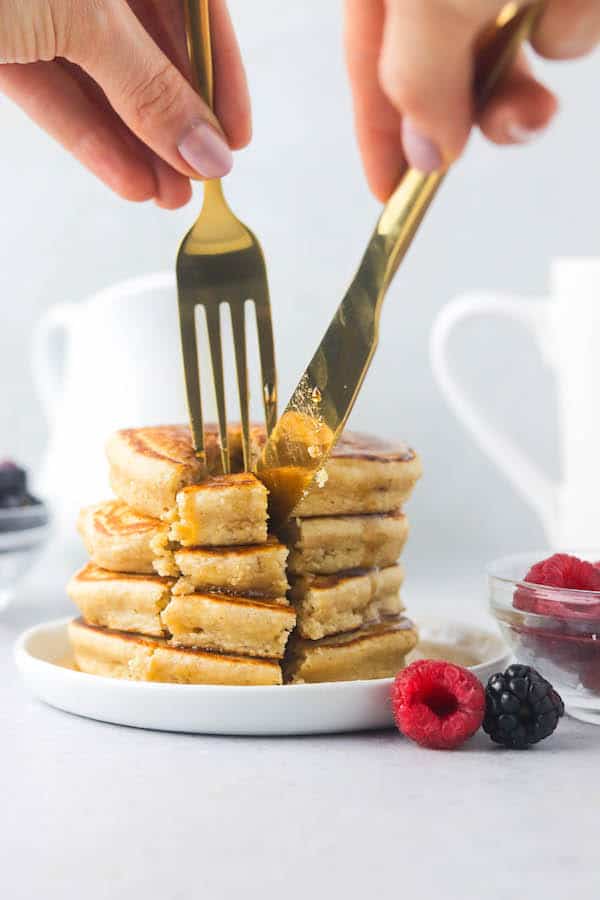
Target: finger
{"points": [[173, 189], [426, 70], [165, 22], [377, 121], [54, 99], [568, 28], [520, 109], [148, 92]]}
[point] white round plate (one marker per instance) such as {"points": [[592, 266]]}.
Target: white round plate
{"points": [[42, 655]]}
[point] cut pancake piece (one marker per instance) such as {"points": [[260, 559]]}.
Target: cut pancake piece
{"points": [[363, 475], [114, 654], [327, 545], [329, 604], [119, 539], [374, 651], [223, 511], [229, 624], [120, 601], [253, 570]]}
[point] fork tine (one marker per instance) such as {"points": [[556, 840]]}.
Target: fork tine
{"points": [[266, 348], [213, 322], [189, 347], [238, 325]]}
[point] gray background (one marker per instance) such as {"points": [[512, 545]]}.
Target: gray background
{"points": [[500, 218]]}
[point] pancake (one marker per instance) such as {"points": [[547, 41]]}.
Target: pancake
{"points": [[253, 570], [120, 601], [114, 654], [327, 545], [223, 511], [229, 624], [329, 604], [156, 473], [144, 604], [374, 651], [363, 475], [149, 466], [119, 539]]}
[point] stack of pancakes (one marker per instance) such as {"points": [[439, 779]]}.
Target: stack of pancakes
{"points": [[345, 539], [185, 584]]}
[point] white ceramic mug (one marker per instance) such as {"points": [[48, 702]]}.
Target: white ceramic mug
{"points": [[108, 362], [566, 327]]}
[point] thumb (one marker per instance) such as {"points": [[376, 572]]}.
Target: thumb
{"points": [[147, 90]]}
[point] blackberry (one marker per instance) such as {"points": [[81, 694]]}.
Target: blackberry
{"points": [[521, 708], [13, 485]]}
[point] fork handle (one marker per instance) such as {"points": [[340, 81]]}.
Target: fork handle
{"points": [[498, 48], [197, 32]]}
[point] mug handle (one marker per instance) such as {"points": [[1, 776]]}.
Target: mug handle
{"points": [[47, 360], [525, 476]]}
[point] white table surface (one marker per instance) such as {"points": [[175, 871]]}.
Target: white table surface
{"points": [[97, 812]]}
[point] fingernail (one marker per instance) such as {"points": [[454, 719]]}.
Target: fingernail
{"points": [[519, 134], [206, 151], [580, 39], [421, 153]]}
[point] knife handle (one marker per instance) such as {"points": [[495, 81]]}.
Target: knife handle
{"points": [[498, 48], [197, 32]]}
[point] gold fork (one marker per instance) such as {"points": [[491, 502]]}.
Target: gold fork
{"points": [[220, 262]]}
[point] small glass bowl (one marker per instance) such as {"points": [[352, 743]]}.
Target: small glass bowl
{"points": [[555, 630], [23, 532]]}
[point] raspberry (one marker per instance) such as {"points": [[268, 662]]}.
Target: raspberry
{"points": [[560, 571], [437, 704]]}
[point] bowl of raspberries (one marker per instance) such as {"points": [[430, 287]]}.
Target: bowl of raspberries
{"points": [[548, 609], [24, 528]]}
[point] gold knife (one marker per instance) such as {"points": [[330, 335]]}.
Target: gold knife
{"points": [[315, 416]]}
